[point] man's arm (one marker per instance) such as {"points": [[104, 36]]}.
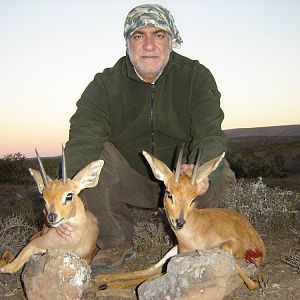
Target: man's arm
{"points": [[207, 116], [89, 127]]}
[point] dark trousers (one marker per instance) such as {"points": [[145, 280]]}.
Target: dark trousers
{"points": [[120, 185]]}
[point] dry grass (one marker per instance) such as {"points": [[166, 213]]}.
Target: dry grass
{"points": [[292, 258], [14, 233], [152, 235], [20, 200]]}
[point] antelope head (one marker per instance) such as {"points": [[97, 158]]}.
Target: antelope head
{"points": [[181, 190], [60, 195]]}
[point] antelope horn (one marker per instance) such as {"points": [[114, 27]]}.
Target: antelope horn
{"points": [[178, 165], [42, 169], [63, 167], [196, 168]]}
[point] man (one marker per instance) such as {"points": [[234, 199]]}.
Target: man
{"points": [[153, 99]]}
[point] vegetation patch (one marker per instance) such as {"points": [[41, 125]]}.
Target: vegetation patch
{"points": [[268, 209]]}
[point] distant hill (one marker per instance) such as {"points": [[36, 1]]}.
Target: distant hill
{"points": [[241, 138], [260, 141], [273, 150], [282, 131]]}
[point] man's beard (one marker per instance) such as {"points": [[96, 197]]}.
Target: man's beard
{"points": [[141, 71], [144, 73]]}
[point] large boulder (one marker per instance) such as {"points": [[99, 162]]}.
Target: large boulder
{"points": [[205, 275], [56, 275]]}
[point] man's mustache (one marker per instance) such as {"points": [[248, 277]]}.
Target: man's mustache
{"points": [[154, 54]]}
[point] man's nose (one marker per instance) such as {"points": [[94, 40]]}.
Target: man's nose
{"points": [[149, 43]]}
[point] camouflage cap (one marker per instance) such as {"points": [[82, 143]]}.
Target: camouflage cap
{"points": [[151, 15]]}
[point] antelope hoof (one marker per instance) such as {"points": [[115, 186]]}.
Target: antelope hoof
{"points": [[8, 269], [255, 285], [39, 254], [102, 287]]}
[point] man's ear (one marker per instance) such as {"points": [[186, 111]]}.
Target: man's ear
{"points": [[39, 180]]}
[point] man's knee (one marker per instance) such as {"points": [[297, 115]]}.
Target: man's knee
{"points": [[227, 174]]}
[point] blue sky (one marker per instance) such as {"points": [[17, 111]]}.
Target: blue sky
{"points": [[50, 51]]}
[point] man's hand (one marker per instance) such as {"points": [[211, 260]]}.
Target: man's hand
{"points": [[64, 230], [187, 169]]}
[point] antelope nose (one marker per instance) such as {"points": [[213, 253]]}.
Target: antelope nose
{"points": [[180, 223], [52, 217]]}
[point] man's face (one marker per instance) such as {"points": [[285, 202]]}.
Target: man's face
{"points": [[149, 50]]}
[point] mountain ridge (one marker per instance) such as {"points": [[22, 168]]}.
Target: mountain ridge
{"points": [[279, 130]]}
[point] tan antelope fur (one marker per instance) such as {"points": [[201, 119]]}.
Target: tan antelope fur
{"points": [[196, 229], [63, 204]]}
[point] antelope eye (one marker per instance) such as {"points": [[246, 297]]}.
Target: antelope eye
{"points": [[69, 197], [192, 202], [169, 196]]}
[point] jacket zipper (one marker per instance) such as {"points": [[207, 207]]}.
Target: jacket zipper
{"points": [[152, 140]]}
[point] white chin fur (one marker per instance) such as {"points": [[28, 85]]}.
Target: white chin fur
{"points": [[58, 223]]}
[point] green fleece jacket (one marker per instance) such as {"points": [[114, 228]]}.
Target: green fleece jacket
{"points": [[183, 106]]}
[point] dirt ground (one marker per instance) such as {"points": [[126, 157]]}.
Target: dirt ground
{"points": [[281, 280]]}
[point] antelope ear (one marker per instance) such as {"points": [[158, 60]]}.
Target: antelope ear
{"points": [[89, 176], [38, 179], [205, 169], [159, 169]]}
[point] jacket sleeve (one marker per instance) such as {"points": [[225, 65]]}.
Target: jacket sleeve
{"points": [[207, 116], [89, 127]]}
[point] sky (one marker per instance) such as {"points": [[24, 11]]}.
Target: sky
{"points": [[51, 49]]}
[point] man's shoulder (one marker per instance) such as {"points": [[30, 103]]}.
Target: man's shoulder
{"points": [[185, 61], [118, 66]]}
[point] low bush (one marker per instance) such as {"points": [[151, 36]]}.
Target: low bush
{"points": [[268, 209]]}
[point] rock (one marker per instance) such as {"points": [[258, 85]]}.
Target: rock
{"points": [[205, 275], [56, 275]]}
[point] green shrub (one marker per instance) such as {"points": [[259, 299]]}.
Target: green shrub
{"points": [[247, 165], [13, 170]]}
